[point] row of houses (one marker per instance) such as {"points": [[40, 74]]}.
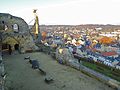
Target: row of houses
{"points": [[110, 58], [107, 55]]}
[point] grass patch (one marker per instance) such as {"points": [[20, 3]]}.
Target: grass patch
{"points": [[113, 73]]}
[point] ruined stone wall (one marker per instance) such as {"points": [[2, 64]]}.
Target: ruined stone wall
{"points": [[16, 31]]}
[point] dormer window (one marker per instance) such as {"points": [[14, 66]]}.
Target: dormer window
{"points": [[16, 28]]}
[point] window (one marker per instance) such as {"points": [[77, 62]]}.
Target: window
{"points": [[15, 28], [3, 26], [6, 27], [3, 22]]}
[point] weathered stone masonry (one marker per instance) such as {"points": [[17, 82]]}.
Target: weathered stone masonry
{"points": [[15, 31]]}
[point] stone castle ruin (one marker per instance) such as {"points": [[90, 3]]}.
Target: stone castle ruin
{"points": [[14, 34]]}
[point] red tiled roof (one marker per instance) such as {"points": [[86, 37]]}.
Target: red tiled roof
{"points": [[109, 53]]}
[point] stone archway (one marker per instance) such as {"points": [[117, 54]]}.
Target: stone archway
{"points": [[12, 43], [6, 48]]}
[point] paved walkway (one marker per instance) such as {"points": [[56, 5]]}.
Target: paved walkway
{"points": [[22, 77]]}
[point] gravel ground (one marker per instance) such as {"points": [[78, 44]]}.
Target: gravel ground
{"points": [[20, 75]]}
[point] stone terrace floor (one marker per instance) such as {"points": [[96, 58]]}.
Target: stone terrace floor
{"points": [[20, 75]]}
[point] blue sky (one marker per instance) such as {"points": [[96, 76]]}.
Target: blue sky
{"points": [[72, 12]]}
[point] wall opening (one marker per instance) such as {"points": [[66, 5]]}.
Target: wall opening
{"points": [[15, 28], [16, 46], [6, 49]]}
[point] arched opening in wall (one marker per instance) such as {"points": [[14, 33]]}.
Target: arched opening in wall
{"points": [[10, 45], [3, 22], [2, 25], [6, 49], [15, 28], [16, 46]]}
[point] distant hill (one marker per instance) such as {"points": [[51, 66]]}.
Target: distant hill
{"points": [[107, 27]]}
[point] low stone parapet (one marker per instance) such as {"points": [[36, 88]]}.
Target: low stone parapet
{"points": [[109, 81]]}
